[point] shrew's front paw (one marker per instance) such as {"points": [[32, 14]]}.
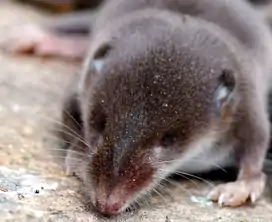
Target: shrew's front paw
{"points": [[28, 39], [235, 194]]}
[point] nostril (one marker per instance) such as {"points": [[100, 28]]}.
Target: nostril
{"points": [[110, 205], [108, 209], [113, 208]]}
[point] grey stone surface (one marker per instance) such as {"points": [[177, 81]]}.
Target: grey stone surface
{"points": [[32, 186]]}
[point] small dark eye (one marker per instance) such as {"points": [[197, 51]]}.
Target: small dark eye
{"points": [[168, 140], [98, 121], [102, 51], [101, 125]]}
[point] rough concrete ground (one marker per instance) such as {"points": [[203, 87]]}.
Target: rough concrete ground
{"points": [[32, 186]]}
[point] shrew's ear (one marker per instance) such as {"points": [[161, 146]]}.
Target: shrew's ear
{"points": [[224, 95], [99, 57], [94, 64]]}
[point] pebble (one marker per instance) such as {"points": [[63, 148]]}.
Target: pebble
{"points": [[27, 131]]}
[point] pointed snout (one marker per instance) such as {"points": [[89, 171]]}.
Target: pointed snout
{"points": [[111, 205]]}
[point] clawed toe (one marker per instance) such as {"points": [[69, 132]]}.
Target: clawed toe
{"points": [[237, 193]]}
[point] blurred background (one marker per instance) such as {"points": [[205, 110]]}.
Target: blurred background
{"points": [[63, 5]]}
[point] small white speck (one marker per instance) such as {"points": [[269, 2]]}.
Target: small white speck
{"points": [[38, 213], [223, 92], [98, 65], [165, 105], [16, 108], [201, 200], [253, 197], [27, 131]]}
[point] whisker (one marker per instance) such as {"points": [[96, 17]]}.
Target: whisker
{"points": [[63, 157], [59, 123], [159, 194], [70, 147], [72, 135], [74, 120], [147, 197], [177, 185], [144, 200], [73, 151], [56, 138], [187, 178], [198, 160], [140, 199], [194, 176], [164, 187], [216, 165]]}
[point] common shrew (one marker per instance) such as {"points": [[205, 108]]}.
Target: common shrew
{"points": [[166, 86]]}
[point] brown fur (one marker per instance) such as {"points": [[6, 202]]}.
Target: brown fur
{"points": [[150, 94], [164, 82]]}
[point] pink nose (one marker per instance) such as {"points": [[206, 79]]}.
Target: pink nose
{"points": [[113, 208], [109, 208]]}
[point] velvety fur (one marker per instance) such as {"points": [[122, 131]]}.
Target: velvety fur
{"points": [[170, 83], [167, 86]]}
